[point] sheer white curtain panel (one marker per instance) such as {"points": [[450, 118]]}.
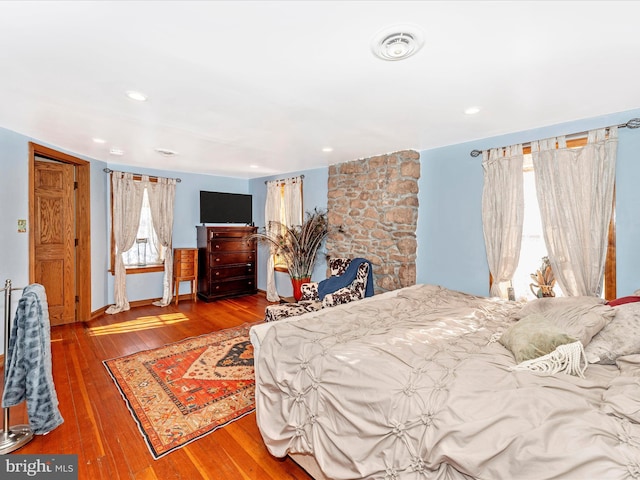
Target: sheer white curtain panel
{"points": [[293, 201], [161, 201], [283, 205], [271, 215], [127, 203], [575, 188], [502, 213]]}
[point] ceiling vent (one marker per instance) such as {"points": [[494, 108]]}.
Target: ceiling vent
{"points": [[397, 42], [166, 152]]}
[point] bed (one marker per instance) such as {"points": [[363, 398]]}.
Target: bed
{"points": [[416, 384]]}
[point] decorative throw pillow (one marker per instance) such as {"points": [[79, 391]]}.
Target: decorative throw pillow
{"points": [[534, 336], [620, 337], [579, 317], [623, 300], [540, 305]]}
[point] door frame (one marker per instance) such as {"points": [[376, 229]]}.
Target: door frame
{"points": [[82, 221]]}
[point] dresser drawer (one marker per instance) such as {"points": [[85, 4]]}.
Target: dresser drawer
{"points": [[224, 258], [230, 287], [185, 269], [235, 233], [230, 271], [231, 245]]}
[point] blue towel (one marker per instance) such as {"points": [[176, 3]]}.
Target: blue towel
{"points": [[28, 373], [337, 282]]}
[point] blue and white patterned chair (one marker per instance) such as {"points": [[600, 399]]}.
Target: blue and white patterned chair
{"points": [[310, 300]]}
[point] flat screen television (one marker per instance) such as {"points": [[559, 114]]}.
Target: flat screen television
{"points": [[221, 207]]}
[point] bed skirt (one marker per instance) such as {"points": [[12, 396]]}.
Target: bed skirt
{"points": [[309, 465]]}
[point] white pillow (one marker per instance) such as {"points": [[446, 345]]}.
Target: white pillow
{"points": [[620, 337], [579, 317]]}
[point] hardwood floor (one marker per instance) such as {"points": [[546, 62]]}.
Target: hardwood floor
{"points": [[98, 426]]}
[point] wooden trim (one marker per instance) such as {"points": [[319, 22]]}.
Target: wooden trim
{"points": [[98, 313], [571, 143], [83, 223], [136, 270], [610, 266]]}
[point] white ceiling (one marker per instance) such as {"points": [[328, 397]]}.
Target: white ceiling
{"points": [[249, 89]]}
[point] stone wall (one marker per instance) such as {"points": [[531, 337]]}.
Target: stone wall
{"points": [[373, 212]]}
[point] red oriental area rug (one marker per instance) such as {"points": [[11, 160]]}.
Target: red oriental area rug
{"points": [[185, 390]]}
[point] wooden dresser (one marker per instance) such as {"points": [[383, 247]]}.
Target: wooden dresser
{"points": [[226, 262], [185, 269]]}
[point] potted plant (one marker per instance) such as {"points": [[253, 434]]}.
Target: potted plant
{"points": [[297, 245]]}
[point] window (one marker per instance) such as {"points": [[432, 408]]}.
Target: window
{"points": [[146, 254], [284, 208], [533, 247]]}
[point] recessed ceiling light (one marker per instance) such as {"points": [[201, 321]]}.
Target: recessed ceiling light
{"points": [[116, 151], [472, 110], [397, 42], [254, 166], [98, 140], [133, 95], [327, 149]]}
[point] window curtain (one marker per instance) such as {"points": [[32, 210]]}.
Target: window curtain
{"points": [[575, 188], [502, 213], [293, 201], [271, 215], [127, 203], [283, 205], [161, 201]]}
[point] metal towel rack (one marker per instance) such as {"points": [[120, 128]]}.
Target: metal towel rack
{"points": [[11, 438]]}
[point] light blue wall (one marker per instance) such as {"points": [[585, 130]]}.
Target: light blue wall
{"points": [[14, 205], [144, 286], [450, 241], [451, 248], [314, 191]]}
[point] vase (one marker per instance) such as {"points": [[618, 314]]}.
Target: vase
{"points": [[543, 290], [297, 284]]}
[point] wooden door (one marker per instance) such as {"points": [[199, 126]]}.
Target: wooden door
{"points": [[54, 237]]}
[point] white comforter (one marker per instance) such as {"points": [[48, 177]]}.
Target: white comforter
{"points": [[410, 385]]}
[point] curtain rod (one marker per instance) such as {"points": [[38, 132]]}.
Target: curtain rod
{"points": [[108, 170], [281, 179], [633, 123]]}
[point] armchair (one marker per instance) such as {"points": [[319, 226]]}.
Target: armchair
{"points": [[336, 290], [356, 290]]}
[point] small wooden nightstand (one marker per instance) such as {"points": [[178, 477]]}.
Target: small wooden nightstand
{"points": [[185, 269]]}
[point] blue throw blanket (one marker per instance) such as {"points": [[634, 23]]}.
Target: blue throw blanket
{"points": [[337, 282], [28, 364]]}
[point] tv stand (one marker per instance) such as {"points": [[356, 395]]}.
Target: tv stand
{"points": [[226, 262]]}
